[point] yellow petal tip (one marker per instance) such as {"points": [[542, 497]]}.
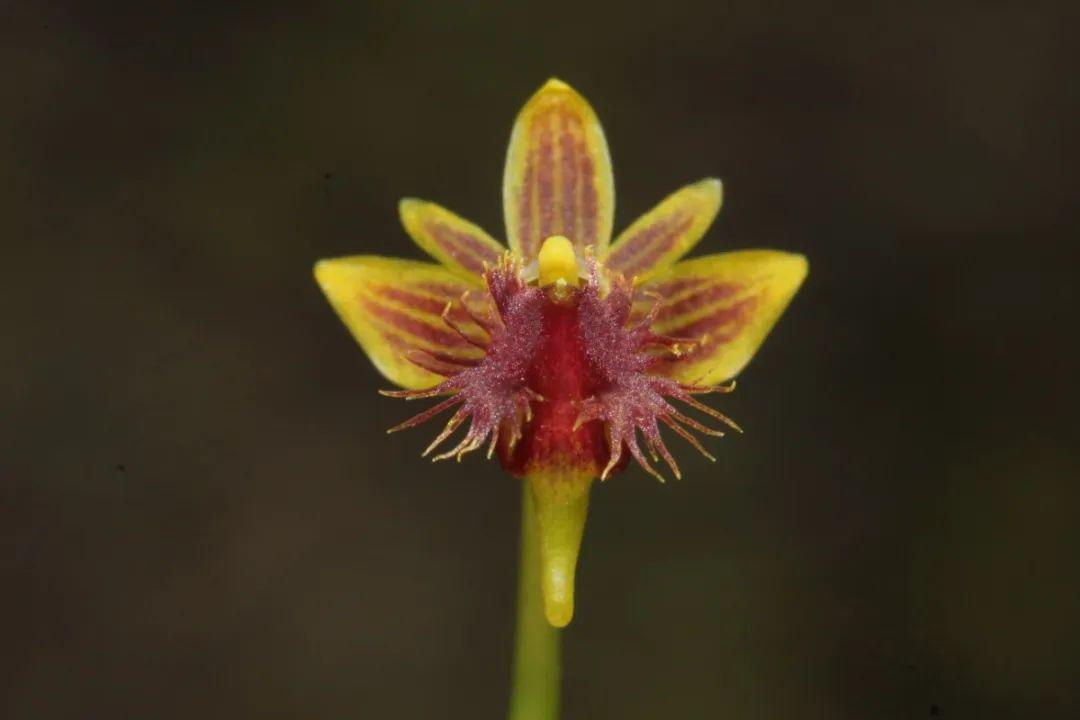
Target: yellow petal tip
{"points": [[323, 270], [555, 84], [795, 268], [408, 213], [715, 188]]}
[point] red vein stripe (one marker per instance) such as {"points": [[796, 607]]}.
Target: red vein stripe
{"points": [[736, 315], [670, 288], [683, 295], [468, 250], [697, 300], [545, 176], [642, 250], [569, 171], [431, 306], [422, 303], [403, 322], [450, 292], [712, 330], [414, 319]]}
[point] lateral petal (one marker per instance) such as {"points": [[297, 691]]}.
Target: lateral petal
{"points": [[394, 309], [557, 179], [455, 242], [726, 304], [667, 232]]}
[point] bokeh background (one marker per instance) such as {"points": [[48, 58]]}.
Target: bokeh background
{"points": [[201, 515]]}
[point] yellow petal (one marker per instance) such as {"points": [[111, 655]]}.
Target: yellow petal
{"points": [[394, 308], [561, 502], [456, 243], [727, 303], [558, 178], [667, 232]]}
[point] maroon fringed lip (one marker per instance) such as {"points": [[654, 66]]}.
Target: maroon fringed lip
{"points": [[567, 380]]}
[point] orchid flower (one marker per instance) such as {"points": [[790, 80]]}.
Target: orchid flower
{"points": [[563, 353]]}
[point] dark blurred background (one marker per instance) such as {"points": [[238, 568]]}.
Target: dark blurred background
{"points": [[201, 515]]}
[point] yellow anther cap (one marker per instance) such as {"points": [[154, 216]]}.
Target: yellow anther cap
{"points": [[557, 261]]}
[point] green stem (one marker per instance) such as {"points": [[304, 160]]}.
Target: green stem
{"points": [[536, 684]]}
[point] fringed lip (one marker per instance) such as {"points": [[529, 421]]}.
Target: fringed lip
{"points": [[565, 380]]}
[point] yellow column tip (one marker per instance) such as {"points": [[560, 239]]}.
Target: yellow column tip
{"points": [[557, 261]]}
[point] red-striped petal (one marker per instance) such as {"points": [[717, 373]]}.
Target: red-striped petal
{"points": [[558, 177], [667, 232], [457, 243], [394, 309], [723, 305]]}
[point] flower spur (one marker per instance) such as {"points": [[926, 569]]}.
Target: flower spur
{"points": [[561, 350]]}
